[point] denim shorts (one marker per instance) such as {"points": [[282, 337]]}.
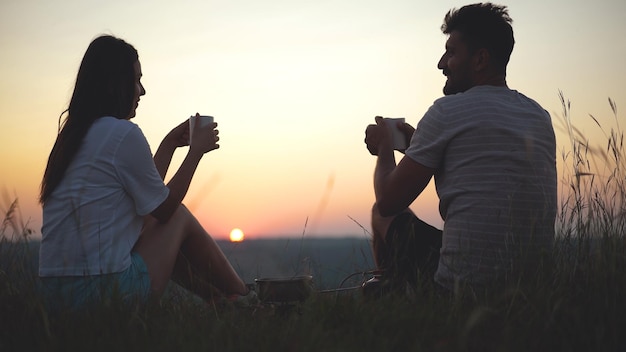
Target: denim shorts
{"points": [[130, 286]]}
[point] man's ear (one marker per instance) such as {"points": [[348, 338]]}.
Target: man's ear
{"points": [[481, 59]]}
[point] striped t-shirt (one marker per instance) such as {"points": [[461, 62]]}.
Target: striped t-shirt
{"points": [[494, 152]]}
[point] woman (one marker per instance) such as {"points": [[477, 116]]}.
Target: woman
{"points": [[111, 227]]}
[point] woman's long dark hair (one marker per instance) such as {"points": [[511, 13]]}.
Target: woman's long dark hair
{"points": [[105, 86]]}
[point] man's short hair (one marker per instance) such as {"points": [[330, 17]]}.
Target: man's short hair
{"points": [[483, 25]]}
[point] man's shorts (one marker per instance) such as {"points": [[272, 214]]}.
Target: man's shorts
{"points": [[74, 292], [411, 248]]}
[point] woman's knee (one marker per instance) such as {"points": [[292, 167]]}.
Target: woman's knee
{"points": [[177, 225], [376, 217], [182, 216]]}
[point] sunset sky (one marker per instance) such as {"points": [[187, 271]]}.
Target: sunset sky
{"points": [[292, 84]]}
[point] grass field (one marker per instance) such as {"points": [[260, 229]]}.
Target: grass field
{"points": [[576, 304]]}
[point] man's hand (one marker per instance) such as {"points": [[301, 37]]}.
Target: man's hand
{"points": [[407, 130], [377, 136]]}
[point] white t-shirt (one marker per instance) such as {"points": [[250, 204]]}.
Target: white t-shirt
{"points": [[94, 216], [494, 152]]}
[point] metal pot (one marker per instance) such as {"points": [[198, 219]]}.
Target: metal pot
{"points": [[291, 289]]}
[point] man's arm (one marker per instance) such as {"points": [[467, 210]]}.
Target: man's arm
{"points": [[395, 186]]}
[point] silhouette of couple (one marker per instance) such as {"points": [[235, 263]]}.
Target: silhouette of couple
{"points": [[112, 226]]}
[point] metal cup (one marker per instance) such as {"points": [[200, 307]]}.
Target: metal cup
{"points": [[200, 121], [397, 136]]}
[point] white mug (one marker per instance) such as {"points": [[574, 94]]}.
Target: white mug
{"points": [[201, 120], [398, 139]]}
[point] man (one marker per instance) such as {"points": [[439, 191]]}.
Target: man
{"points": [[492, 152]]}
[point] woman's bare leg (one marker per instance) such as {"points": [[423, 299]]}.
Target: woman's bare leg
{"points": [[160, 243], [187, 276]]}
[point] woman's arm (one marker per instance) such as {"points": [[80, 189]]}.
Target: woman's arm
{"points": [[205, 139], [178, 137]]}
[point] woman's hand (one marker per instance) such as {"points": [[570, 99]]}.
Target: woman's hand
{"points": [[204, 138], [179, 136]]}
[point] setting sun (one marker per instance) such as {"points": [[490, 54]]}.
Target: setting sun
{"points": [[236, 235]]}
